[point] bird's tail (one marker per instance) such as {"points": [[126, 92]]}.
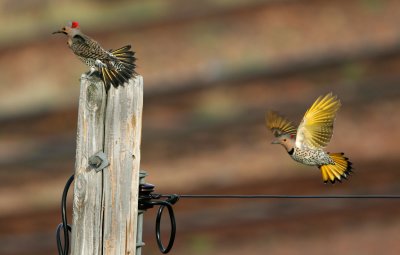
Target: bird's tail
{"points": [[120, 71], [341, 169]]}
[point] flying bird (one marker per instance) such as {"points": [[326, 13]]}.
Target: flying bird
{"points": [[114, 66], [306, 143]]}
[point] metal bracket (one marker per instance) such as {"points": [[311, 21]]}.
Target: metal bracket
{"points": [[99, 161]]}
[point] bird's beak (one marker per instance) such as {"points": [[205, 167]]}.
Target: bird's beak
{"points": [[275, 142], [59, 32]]}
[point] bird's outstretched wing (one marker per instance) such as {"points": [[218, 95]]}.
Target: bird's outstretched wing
{"points": [[279, 125], [316, 128]]}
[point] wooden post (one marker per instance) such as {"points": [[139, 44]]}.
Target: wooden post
{"points": [[87, 204], [121, 180], [105, 203]]}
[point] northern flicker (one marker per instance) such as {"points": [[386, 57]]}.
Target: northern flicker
{"points": [[306, 144], [114, 66]]}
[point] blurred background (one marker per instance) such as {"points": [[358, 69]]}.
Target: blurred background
{"points": [[211, 70]]}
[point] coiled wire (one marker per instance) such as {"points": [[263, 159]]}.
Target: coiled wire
{"points": [[64, 249]]}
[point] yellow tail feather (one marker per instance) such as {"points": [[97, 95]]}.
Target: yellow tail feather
{"points": [[340, 170]]}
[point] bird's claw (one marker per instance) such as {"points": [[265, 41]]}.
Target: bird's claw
{"points": [[84, 77], [99, 64]]}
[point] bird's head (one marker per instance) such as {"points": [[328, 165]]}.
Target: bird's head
{"points": [[71, 29], [286, 140]]}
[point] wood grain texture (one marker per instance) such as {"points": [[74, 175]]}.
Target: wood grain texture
{"points": [[105, 206], [123, 128], [86, 233]]}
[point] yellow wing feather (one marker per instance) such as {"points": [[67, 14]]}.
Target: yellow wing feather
{"points": [[316, 128], [278, 124]]}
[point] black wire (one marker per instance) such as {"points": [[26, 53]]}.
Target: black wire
{"points": [[172, 199], [58, 237], [158, 227], [64, 225], [212, 196], [147, 202]]}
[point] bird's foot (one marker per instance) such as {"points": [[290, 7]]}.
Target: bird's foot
{"points": [[92, 72], [86, 76], [99, 64]]}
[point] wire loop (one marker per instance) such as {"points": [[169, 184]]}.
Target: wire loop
{"points": [[64, 250], [162, 204], [158, 227]]}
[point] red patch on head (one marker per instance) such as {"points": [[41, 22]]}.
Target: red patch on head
{"points": [[292, 136], [74, 24]]}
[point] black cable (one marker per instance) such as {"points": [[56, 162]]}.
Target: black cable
{"points": [[58, 237], [158, 228], [172, 199], [147, 199], [212, 196], [64, 225], [145, 202]]}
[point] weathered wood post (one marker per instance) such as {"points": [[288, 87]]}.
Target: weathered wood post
{"points": [[105, 205]]}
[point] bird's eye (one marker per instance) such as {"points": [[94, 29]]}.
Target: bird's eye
{"points": [[284, 140]]}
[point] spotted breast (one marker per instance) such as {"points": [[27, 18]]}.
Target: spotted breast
{"points": [[311, 157]]}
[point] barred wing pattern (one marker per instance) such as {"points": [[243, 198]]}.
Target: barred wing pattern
{"points": [[115, 67], [86, 48]]}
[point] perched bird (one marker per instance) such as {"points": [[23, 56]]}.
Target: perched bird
{"points": [[114, 66], [306, 144]]}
